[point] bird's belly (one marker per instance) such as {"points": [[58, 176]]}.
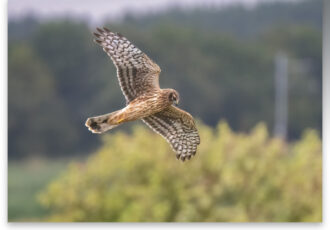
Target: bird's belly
{"points": [[143, 108]]}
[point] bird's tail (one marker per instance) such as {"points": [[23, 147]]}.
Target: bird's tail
{"points": [[103, 123]]}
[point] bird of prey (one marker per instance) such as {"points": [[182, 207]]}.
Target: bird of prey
{"points": [[138, 77]]}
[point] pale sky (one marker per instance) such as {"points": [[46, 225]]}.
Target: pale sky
{"points": [[97, 10]]}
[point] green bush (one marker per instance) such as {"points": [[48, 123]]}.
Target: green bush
{"points": [[234, 177]]}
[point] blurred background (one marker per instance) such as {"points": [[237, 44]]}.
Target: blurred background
{"points": [[250, 72]]}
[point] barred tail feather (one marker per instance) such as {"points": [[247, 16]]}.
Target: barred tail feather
{"points": [[103, 123]]}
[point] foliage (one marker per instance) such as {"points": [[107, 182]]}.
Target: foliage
{"points": [[36, 114], [234, 177], [238, 20]]}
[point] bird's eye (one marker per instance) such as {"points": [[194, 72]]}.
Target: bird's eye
{"points": [[172, 97]]}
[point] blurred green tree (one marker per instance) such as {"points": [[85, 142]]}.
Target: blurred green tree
{"points": [[234, 177], [35, 113]]}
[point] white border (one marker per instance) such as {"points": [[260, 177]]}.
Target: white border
{"points": [[326, 111]]}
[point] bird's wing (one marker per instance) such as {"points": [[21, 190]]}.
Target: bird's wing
{"points": [[136, 72], [178, 128]]}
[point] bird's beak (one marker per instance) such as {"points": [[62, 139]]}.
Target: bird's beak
{"points": [[176, 102]]}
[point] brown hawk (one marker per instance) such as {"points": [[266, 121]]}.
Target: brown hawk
{"points": [[138, 77]]}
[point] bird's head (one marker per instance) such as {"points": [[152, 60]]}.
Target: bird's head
{"points": [[173, 97]]}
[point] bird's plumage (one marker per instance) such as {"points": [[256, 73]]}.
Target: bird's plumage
{"points": [[138, 77], [178, 128], [136, 72]]}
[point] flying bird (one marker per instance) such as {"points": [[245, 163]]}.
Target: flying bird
{"points": [[138, 77]]}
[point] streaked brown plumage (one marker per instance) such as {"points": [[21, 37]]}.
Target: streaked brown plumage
{"points": [[138, 77]]}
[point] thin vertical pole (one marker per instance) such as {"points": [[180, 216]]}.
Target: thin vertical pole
{"points": [[281, 95]]}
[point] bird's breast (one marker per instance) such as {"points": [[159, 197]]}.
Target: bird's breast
{"points": [[145, 105]]}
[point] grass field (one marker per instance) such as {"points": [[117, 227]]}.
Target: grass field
{"points": [[25, 180]]}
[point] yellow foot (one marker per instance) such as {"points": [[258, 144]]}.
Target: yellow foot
{"points": [[120, 120]]}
